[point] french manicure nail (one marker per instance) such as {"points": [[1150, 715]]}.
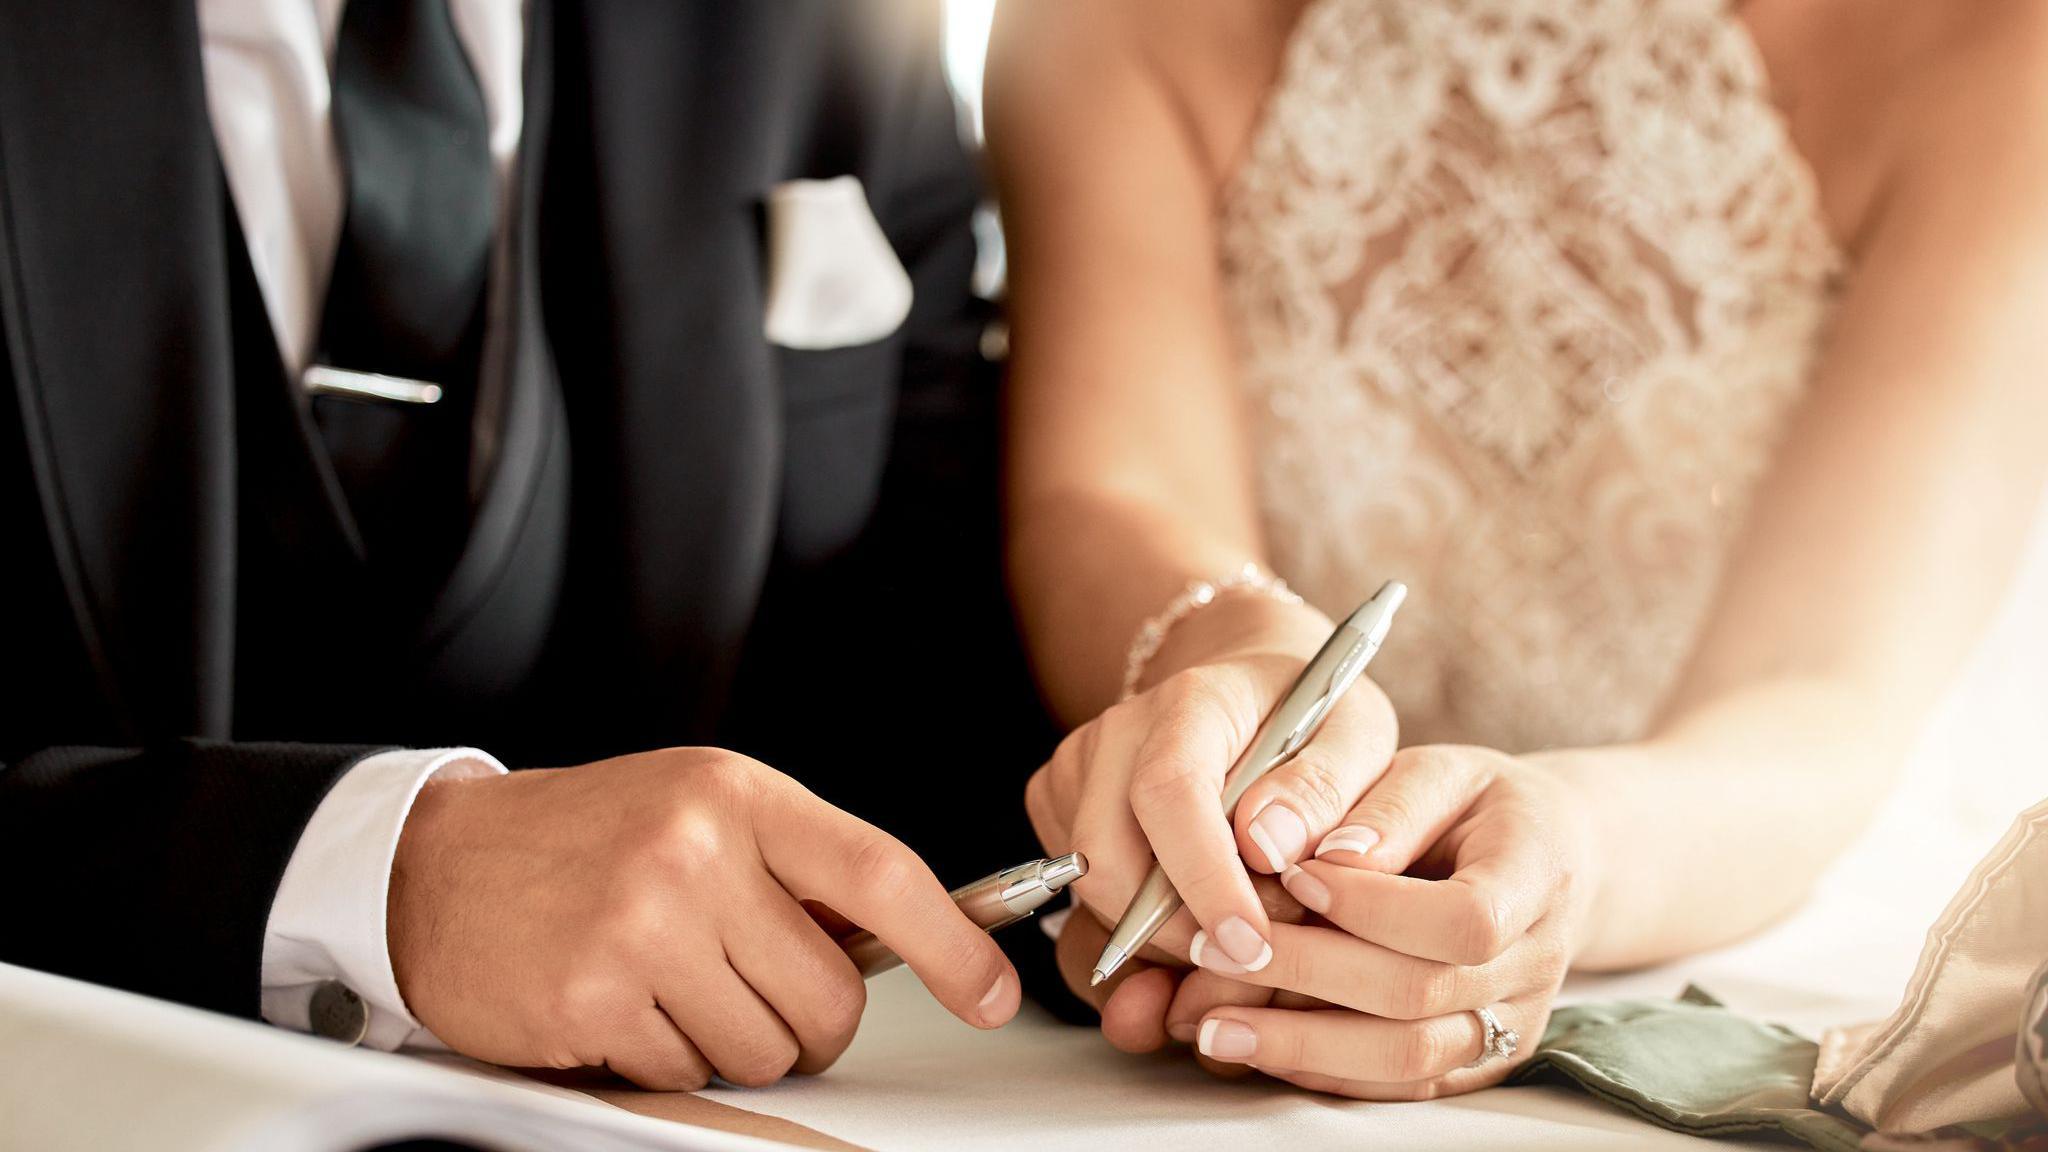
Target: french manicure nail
{"points": [[1226, 1039], [1242, 943], [992, 998], [1205, 954], [1350, 838], [1313, 894], [1280, 834]]}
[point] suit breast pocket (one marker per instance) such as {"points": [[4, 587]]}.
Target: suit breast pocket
{"points": [[837, 298], [839, 407], [833, 280]]}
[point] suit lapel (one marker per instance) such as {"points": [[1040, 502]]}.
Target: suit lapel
{"points": [[113, 293]]}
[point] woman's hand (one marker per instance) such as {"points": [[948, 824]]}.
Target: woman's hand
{"points": [[1504, 876], [1145, 778]]}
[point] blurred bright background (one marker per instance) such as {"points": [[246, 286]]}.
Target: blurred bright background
{"points": [[967, 24]]}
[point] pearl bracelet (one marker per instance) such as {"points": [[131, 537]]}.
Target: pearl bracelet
{"points": [[1197, 595]]}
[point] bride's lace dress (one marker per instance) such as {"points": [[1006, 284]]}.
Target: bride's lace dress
{"points": [[1524, 292]]}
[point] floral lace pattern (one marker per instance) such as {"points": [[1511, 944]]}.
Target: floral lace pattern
{"points": [[1524, 291]]}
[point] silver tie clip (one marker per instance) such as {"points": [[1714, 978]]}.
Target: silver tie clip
{"points": [[326, 380]]}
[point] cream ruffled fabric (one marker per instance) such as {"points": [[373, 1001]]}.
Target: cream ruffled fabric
{"points": [[1947, 1055]]}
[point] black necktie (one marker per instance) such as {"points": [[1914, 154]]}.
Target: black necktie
{"points": [[406, 297]]}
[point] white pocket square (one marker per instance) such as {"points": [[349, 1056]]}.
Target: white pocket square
{"points": [[833, 280]]}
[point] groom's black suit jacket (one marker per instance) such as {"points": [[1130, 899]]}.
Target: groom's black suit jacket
{"points": [[686, 535]]}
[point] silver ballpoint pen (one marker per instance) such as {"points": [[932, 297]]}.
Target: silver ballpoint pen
{"points": [[994, 901], [1289, 726]]}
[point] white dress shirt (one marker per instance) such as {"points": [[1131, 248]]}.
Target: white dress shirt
{"points": [[268, 67]]}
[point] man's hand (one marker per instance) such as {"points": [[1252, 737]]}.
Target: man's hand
{"points": [[644, 914]]}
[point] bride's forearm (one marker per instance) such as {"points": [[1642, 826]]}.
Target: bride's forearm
{"points": [[1720, 823], [1128, 471], [1089, 569], [1086, 571]]}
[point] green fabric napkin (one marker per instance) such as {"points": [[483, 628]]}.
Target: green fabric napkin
{"points": [[1693, 1066]]}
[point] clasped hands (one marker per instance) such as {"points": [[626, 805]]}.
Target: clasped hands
{"points": [[674, 915], [1341, 931]]}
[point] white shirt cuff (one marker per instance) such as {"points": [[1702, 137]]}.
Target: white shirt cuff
{"points": [[327, 923]]}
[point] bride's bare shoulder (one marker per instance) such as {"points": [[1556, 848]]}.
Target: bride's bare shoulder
{"points": [[1885, 94], [1211, 60]]}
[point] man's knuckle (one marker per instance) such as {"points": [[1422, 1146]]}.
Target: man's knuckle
{"points": [[691, 1076], [972, 959], [840, 1004], [760, 1057], [638, 914], [881, 867], [724, 773], [690, 840], [577, 1000], [672, 1074]]}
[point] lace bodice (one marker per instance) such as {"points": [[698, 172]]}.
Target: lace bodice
{"points": [[1523, 292]]}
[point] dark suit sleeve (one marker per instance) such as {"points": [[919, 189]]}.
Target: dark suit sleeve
{"points": [[153, 870], [148, 869]]}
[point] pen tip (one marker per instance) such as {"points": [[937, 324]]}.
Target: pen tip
{"points": [[1097, 978]]}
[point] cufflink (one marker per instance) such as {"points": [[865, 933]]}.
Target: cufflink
{"points": [[337, 1013]]}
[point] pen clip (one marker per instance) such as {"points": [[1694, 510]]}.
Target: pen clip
{"points": [[1341, 678], [1369, 625]]}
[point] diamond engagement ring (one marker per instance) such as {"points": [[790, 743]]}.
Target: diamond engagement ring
{"points": [[1500, 1043]]}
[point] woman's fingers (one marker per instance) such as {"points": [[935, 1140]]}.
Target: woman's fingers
{"points": [[1503, 870], [1288, 812], [1421, 795], [1133, 1002], [1201, 993], [1504, 879], [1357, 1047], [1449, 1084], [1340, 969], [1134, 1016], [1204, 718]]}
